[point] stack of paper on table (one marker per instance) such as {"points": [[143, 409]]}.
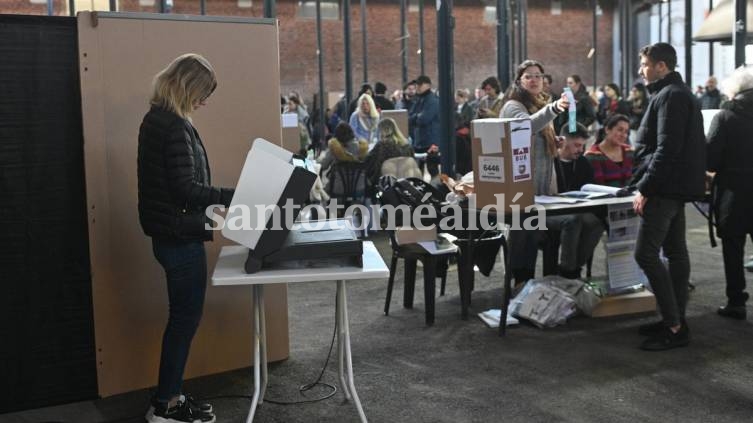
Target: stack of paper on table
{"points": [[553, 199], [591, 191]]}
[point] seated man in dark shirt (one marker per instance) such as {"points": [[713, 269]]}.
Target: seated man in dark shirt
{"points": [[580, 232]]}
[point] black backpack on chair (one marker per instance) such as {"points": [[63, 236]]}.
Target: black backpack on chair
{"points": [[411, 192]]}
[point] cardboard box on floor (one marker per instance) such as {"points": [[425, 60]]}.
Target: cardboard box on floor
{"points": [[502, 162], [617, 305]]}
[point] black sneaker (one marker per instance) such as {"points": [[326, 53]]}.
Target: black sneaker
{"points": [[651, 329], [181, 413], [733, 312], [204, 407], [667, 340]]}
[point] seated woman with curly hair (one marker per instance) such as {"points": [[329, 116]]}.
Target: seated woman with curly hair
{"points": [[344, 147]]}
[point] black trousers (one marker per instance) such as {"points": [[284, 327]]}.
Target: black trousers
{"points": [[663, 227], [733, 251]]}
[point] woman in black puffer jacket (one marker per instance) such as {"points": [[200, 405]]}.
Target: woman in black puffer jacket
{"points": [[175, 189]]}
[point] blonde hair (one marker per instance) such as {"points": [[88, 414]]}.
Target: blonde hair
{"points": [[388, 131], [187, 79], [373, 112]]}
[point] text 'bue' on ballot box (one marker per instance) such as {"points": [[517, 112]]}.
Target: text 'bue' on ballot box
{"points": [[502, 162]]}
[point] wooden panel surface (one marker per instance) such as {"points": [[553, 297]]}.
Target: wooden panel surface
{"points": [[118, 59]]}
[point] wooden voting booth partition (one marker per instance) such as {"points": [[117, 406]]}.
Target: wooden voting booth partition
{"points": [[119, 54]]}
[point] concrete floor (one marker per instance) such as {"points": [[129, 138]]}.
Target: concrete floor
{"points": [[589, 370]]}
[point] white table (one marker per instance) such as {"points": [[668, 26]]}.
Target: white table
{"points": [[229, 271]]}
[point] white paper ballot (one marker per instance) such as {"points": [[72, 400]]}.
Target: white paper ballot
{"points": [[550, 199], [491, 318]]}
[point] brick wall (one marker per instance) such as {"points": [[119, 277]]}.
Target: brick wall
{"points": [[561, 42], [26, 7], [562, 52]]}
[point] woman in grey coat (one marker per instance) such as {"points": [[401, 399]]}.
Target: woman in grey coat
{"points": [[526, 99]]}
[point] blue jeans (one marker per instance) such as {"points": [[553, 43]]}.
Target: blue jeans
{"points": [[663, 226], [185, 265]]}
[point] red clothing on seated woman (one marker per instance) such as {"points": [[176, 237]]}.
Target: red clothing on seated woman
{"points": [[609, 172]]}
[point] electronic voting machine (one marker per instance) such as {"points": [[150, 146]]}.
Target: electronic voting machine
{"points": [[273, 187]]}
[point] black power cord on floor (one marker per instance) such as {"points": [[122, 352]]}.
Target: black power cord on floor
{"points": [[303, 388]]}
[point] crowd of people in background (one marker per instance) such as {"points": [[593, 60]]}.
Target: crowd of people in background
{"points": [[650, 141], [594, 108]]}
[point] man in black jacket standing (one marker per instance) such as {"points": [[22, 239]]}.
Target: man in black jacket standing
{"points": [[670, 171]]}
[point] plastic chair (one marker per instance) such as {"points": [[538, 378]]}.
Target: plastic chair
{"points": [[391, 194], [413, 253], [347, 183], [401, 167], [478, 248]]}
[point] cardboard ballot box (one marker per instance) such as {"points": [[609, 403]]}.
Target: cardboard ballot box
{"points": [[502, 162]]}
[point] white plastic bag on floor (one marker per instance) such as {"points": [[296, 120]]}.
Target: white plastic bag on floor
{"points": [[585, 296], [543, 305], [552, 300]]}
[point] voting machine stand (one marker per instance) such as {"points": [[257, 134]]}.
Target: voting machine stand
{"points": [[273, 187]]}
